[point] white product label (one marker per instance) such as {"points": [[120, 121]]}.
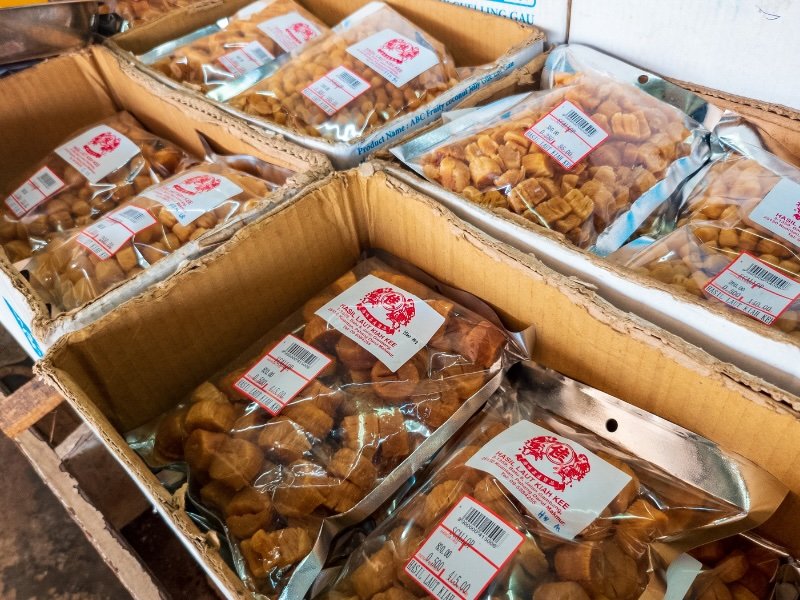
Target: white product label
{"points": [[755, 288], [98, 152], [283, 372], [290, 31], [335, 90], [245, 59], [388, 322], [567, 134], [779, 211], [43, 184], [193, 194], [464, 553], [681, 574], [395, 57], [561, 483], [105, 237]]}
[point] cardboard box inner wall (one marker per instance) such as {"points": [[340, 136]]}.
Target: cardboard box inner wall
{"points": [[40, 107], [461, 30], [142, 359]]}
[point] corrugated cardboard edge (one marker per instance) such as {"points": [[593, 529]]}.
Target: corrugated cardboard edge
{"points": [[672, 346], [46, 327], [618, 271], [339, 151]]}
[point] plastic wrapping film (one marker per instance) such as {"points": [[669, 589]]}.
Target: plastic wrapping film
{"points": [[593, 158], [216, 55], [94, 171], [374, 67], [743, 567], [737, 241], [80, 265], [310, 431], [138, 12], [483, 525]]}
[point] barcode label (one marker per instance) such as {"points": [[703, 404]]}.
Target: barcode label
{"points": [[105, 237], [336, 90], [755, 288], [305, 355], [464, 552], [567, 134], [282, 373], [350, 80], [573, 116], [290, 31], [485, 526], [245, 59], [772, 279], [41, 186]]}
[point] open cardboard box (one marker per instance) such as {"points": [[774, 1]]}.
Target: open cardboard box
{"points": [[472, 38], [726, 333], [42, 106], [142, 359]]}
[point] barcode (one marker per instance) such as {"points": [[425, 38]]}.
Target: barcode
{"points": [[576, 119], [47, 180], [133, 215], [768, 277], [484, 526], [260, 54], [296, 351], [350, 79]]}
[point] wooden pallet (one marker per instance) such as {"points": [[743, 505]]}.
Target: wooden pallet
{"points": [[95, 490]]}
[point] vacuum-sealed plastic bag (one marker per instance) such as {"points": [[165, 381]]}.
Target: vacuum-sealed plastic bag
{"points": [[541, 499], [84, 263], [224, 51], [743, 567], [321, 423], [99, 168], [738, 240], [591, 158], [363, 75]]}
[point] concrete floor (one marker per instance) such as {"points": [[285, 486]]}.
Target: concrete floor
{"points": [[43, 553]]}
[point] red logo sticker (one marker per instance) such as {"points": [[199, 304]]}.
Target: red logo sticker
{"points": [[198, 184], [102, 144], [387, 309], [568, 465], [398, 50], [300, 32]]}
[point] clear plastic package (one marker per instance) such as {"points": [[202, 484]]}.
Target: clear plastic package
{"points": [[378, 66], [738, 241], [83, 263], [528, 503], [97, 169], [315, 428], [220, 53], [593, 158], [738, 567]]}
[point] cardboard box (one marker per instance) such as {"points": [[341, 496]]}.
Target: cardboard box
{"points": [[472, 38], [750, 49], [40, 107], [135, 363], [551, 16], [725, 333]]}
